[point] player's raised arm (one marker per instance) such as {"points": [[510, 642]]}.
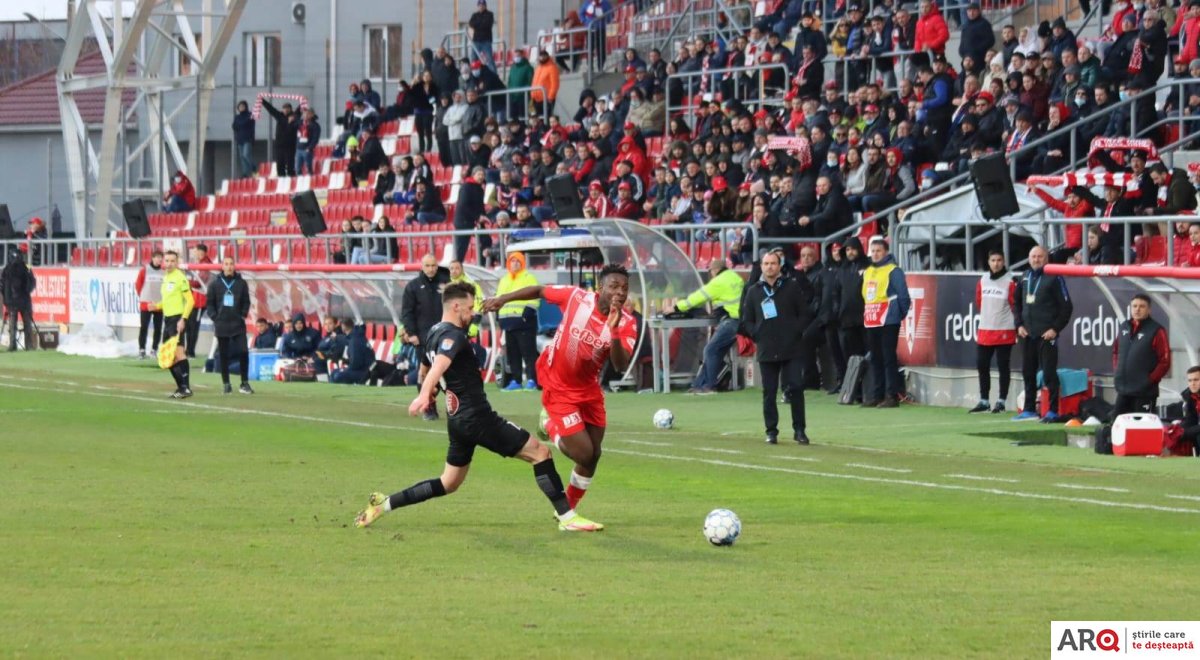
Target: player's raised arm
{"points": [[527, 293]]}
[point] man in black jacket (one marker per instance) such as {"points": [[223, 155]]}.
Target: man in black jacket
{"points": [[831, 213], [976, 35], [777, 315], [1043, 309], [421, 309], [467, 214], [287, 123], [848, 300], [16, 287], [228, 306], [1141, 357], [1191, 408]]}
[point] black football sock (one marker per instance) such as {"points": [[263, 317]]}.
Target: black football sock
{"points": [[417, 493], [185, 372], [175, 377], [551, 484]]}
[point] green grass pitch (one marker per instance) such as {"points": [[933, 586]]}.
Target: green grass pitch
{"points": [[131, 525]]}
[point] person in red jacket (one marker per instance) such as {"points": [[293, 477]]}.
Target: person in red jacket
{"points": [[931, 34], [626, 208], [181, 198], [1073, 206]]}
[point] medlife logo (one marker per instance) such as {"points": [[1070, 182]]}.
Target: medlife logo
{"points": [[1133, 639]]}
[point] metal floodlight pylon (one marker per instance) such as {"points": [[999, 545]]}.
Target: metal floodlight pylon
{"points": [[135, 50]]}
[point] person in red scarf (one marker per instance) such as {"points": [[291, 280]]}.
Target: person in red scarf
{"points": [[596, 200], [810, 75], [1073, 206]]}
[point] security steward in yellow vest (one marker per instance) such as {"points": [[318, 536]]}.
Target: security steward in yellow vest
{"points": [[176, 305], [885, 304], [519, 321], [724, 293]]}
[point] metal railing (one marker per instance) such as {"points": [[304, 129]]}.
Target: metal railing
{"points": [[744, 78], [280, 249], [560, 44], [1004, 227], [891, 82], [657, 27], [458, 44], [498, 100]]}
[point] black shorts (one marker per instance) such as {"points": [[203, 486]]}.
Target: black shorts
{"points": [[170, 326], [483, 429]]}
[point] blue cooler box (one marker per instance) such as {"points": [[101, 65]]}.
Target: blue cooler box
{"points": [[262, 365]]}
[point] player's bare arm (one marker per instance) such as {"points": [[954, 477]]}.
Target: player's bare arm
{"points": [[419, 404], [618, 355], [528, 293]]}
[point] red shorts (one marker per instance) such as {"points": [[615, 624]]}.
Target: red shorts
{"points": [[570, 417]]}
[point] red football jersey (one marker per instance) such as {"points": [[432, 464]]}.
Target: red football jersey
{"points": [[571, 366]]}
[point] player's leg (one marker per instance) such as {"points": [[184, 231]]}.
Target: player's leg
{"points": [[538, 455], [595, 420], [568, 431], [452, 477]]}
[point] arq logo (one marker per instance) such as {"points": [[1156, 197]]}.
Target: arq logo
{"points": [[1086, 639]]}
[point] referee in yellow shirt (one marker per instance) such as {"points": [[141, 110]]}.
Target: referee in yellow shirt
{"points": [[176, 305]]}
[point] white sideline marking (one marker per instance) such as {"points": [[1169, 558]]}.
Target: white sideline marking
{"points": [[875, 450], [648, 444], [719, 451], [1191, 498], [239, 411], [910, 482], [975, 477], [806, 459], [878, 467], [1107, 489]]}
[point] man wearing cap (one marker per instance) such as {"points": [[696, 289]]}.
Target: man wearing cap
{"points": [[976, 34], [480, 28], [989, 121], [625, 206], [17, 283]]}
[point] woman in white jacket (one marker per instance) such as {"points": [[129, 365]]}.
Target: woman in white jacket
{"points": [[453, 121]]}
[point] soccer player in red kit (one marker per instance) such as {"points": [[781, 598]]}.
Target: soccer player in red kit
{"points": [[595, 329]]}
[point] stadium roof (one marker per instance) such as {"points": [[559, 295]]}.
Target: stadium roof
{"points": [[34, 100]]}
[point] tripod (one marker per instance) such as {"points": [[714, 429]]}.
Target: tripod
{"points": [[16, 338]]}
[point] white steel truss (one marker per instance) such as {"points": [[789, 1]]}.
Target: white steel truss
{"points": [[137, 51]]}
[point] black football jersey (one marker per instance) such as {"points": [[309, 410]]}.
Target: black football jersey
{"points": [[462, 382]]}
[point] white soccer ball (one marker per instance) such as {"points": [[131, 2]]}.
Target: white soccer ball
{"points": [[722, 527], [664, 419]]}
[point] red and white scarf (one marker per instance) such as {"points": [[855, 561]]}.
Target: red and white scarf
{"points": [[1016, 140]]}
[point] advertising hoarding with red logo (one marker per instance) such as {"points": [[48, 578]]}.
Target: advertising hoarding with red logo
{"points": [[52, 297]]}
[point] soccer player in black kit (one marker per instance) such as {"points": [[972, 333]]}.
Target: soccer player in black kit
{"points": [[471, 421]]}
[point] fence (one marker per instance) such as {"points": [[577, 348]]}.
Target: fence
{"points": [[498, 102], [685, 86]]}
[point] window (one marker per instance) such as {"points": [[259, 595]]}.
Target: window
{"points": [[264, 53], [381, 39], [184, 66]]}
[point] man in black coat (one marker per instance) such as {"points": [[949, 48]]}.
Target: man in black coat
{"points": [[16, 286], [287, 123], [421, 309], [976, 34], [777, 315], [847, 303], [467, 213], [228, 306], [831, 213], [1043, 309]]}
